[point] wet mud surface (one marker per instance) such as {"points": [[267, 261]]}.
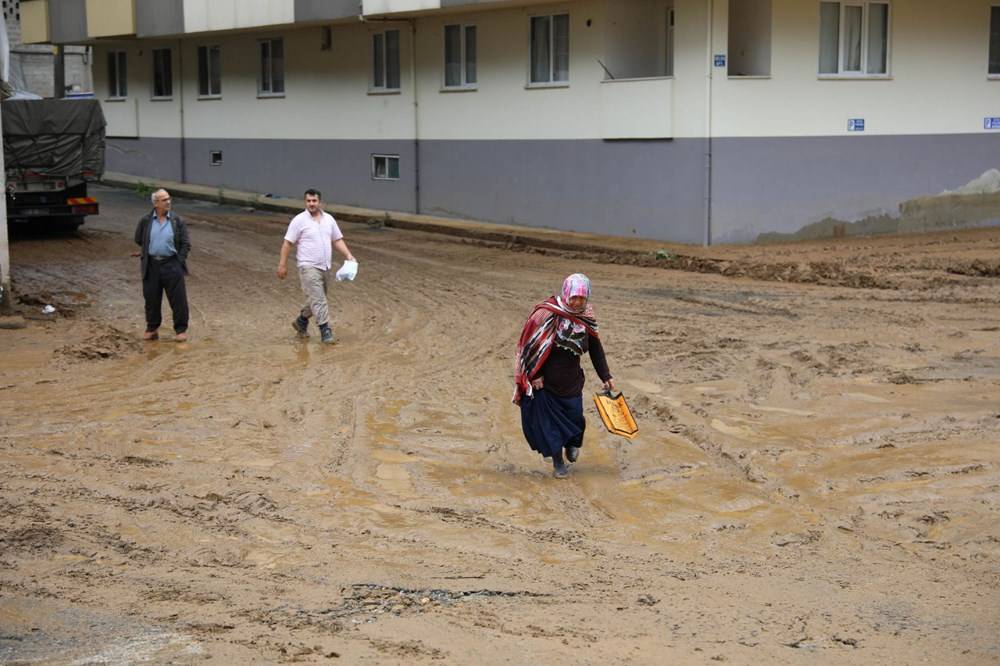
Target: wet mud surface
{"points": [[816, 479]]}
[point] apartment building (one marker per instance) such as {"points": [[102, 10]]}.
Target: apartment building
{"points": [[698, 121]]}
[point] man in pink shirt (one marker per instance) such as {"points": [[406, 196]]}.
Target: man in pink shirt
{"points": [[315, 235]]}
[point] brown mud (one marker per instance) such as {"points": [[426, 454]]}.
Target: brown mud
{"points": [[816, 479]]}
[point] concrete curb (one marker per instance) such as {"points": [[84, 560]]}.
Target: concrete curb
{"points": [[483, 231]]}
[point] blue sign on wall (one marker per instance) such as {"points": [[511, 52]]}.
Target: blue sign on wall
{"points": [[720, 60], [991, 123], [856, 125]]}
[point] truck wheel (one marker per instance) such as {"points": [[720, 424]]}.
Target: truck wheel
{"points": [[71, 224]]}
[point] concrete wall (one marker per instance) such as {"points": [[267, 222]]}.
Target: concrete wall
{"points": [[68, 21], [319, 10], [934, 46], [807, 187], [110, 18], [159, 17], [210, 15]]}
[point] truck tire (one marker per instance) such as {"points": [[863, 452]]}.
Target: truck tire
{"points": [[71, 224]]}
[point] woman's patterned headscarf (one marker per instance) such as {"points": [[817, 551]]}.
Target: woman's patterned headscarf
{"points": [[576, 284]]}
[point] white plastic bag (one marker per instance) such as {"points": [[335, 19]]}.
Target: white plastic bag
{"points": [[348, 271]]}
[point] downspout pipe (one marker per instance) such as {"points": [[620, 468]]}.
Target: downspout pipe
{"points": [[180, 96], [416, 116], [710, 63]]}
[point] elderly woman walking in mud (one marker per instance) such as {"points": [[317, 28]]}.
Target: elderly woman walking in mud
{"points": [[548, 376]]}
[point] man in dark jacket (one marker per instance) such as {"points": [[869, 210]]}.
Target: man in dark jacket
{"points": [[165, 244]]}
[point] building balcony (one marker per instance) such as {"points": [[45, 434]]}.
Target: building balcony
{"points": [[35, 22], [385, 7], [110, 18], [637, 108]]}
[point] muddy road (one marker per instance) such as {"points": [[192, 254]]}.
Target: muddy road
{"points": [[817, 477]]}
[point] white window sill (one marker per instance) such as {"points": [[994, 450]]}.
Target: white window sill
{"points": [[639, 78], [385, 91], [208, 98], [854, 77], [385, 180], [749, 77], [269, 95], [116, 99], [161, 99], [459, 89], [993, 77], [542, 86]]}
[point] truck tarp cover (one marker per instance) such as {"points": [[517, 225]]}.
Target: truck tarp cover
{"points": [[53, 137]]}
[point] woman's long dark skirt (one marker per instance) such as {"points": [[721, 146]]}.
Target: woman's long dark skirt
{"points": [[551, 423]]}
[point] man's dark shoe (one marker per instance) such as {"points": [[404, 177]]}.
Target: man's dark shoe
{"points": [[560, 470], [326, 335], [572, 453], [301, 326]]}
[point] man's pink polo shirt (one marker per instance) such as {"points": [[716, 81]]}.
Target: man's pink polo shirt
{"points": [[313, 239]]}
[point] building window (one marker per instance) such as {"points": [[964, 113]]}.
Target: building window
{"points": [[385, 60], [209, 71], [272, 68], [163, 80], [385, 167], [550, 49], [854, 38], [749, 38], [117, 75], [460, 56], [994, 41], [215, 157]]}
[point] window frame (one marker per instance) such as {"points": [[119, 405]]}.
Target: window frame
{"points": [[270, 92], [169, 80], [119, 91], [207, 50], [863, 72], [384, 89], [463, 59], [993, 76], [388, 160], [552, 82]]}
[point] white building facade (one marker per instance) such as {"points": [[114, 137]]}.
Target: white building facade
{"points": [[697, 121]]}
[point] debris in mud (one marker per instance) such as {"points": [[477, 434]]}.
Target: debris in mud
{"points": [[373, 599], [112, 344], [30, 539]]}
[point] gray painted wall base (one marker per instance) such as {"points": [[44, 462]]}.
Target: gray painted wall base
{"points": [[784, 185], [763, 188]]}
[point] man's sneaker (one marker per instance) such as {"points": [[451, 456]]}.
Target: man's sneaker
{"points": [[572, 453], [326, 334], [301, 326], [150, 335], [560, 471]]}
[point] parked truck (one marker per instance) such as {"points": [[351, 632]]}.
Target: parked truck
{"points": [[52, 149]]}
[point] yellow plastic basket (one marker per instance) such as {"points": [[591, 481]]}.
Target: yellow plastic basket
{"points": [[616, 414]]}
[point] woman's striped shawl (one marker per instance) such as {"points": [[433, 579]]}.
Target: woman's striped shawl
{"points": [[538, 338]]}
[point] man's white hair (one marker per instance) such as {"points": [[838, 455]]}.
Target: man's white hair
{"points": [[155, 194]]}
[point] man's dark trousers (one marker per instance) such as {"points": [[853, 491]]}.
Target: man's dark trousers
{"points": [[165, 276]]}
